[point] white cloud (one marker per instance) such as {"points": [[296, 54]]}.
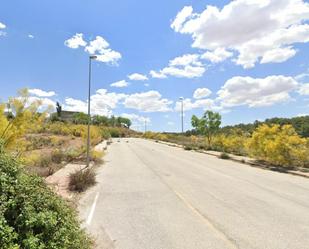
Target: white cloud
{"points": [[41, 93], [30, 36], [278, 55], [121, 83], [304, 89], [158, 75], [137, 76], [170, 123], [218, 55], [186, 59], [258, 30], [302, 76], [150, 101], [205, 104], [181, 18], [201, 93], [253, 92], [2, 25], [186, 66], [46, 104], [76, 41], [100, 47], [136, 118], [102, 103], [302, 114]]}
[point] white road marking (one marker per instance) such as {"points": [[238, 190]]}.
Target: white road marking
{"points": [[92, 209]]}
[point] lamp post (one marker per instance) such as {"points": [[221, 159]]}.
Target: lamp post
{"points": [[91, 57], [181, 99]]}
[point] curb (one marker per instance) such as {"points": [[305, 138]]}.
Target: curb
{"points": [[251, 164]]}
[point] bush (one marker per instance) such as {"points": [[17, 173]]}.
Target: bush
{"points": [[224, 155], [81, 180], [97, 156], [57, 156], [278, 146], [31, 215], [187, 147]]}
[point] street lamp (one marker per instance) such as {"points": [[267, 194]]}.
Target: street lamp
{"points": [[91, 57], [181, 99]]}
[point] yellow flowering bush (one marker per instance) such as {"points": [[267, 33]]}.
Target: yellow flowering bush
{"points": [[278, 145]]}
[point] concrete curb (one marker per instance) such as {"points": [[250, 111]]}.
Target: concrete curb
{"points": [[249, 162]]}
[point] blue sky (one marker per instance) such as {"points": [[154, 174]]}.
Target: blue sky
{"points": [[247, 59]]}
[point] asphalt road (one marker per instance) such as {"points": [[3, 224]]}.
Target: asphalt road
{"points": [[153, 196]]}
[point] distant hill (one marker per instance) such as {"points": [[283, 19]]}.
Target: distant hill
{"points": [[300, 124]]}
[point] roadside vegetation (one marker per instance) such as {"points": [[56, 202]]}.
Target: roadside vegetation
{"points": [[33, 145], [277, 142]]}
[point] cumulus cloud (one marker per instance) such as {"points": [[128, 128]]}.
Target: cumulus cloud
{"points": [[205, 104], [76, 41], [102, 103], [41, 93], [46, 104], [137, 76], [136, 118], [185, 66], [181, 18], [256, 92], [218, 55], [150, 101], [157, 75], [121, 83], [304, 89], [31, 36], [258, 30], [2, 25], [98, 46], [201, 93]]}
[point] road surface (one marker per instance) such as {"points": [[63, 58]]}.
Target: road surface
{"points": [[153, 196]]}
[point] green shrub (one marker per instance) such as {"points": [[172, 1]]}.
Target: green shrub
{"points": [[81, 180], [31, 215], [224, 155], [187, 147], [58, 156]]}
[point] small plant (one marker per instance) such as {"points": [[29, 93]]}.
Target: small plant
{"points": [[243, 161], [97, 156], [224, 155], [81, 180], [45, 161], [58, 156], [187, 147]]}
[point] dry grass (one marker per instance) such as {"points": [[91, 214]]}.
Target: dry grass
{"points": [[82, 180]]}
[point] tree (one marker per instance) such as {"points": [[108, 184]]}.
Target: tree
{"points": [[208, 125], [100, 120], [58, 109], [80, 118]]}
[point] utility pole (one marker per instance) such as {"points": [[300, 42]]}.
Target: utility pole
{"points": [[145, 125], [181, 99], [91, 57]]}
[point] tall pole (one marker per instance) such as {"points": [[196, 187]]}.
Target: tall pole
{"points": [[145, 125], [89, 114], [181, 99]]}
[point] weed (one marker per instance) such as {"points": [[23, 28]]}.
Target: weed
{"points": [[224, 155], [81, 180]]}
